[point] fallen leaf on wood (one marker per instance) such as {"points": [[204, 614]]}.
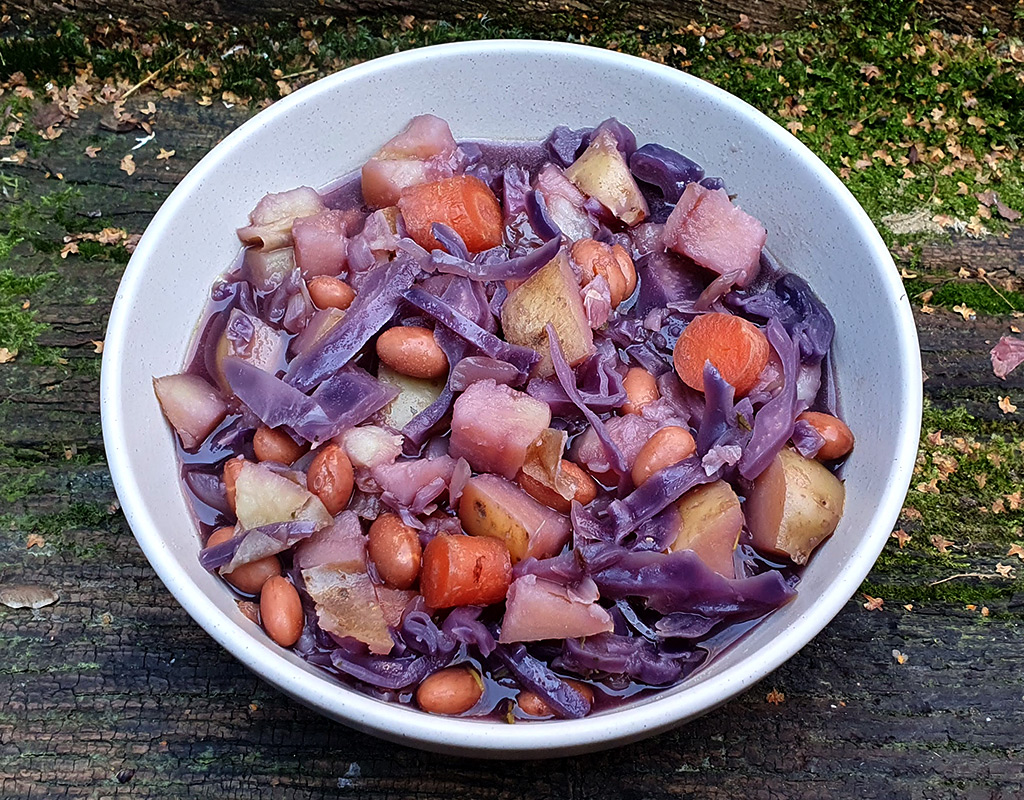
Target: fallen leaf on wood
{"points": [[34, 540], [1004, 570], [1016, 550], [901, 658], [69, 249], [18, 595], [1006, 406], [163, 155], [97, 345], [7, 356], [92, 150], [16, 158], [909, 606], [873, 603], [128, 164], [900, 536], [775, 697], [965, 311]]}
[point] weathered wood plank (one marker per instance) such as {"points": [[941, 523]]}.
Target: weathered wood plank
{"points": [[116, 679], [769, 15]]}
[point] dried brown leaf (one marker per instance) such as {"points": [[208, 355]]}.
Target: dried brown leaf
{"points": [[873, 603], [7, 356], [92, 150], [1006, 406], [775, 697], [128, 164]]}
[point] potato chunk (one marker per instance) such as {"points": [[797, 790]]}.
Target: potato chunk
{"points": [[414, 396], [550, 295], [492, 506], [602, 173], [710, 521], [794, 505]]}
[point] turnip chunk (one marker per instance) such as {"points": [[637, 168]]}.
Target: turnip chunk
{"points": [[270, 223], [415, 395], [320, 243], [318, 326], [537, 609], [263, 497], [491, 506], [347, 605], [550, 295], [564, 203], [369, 446], [423, 152], [492, 425], [793, 506], [250, 339], [709, 523], [342, 544], [191, 405], [267, 269], [706, 227], [603, 174]]}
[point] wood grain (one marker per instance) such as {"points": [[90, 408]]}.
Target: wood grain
{"points": [[770, 15], [115, 692]]}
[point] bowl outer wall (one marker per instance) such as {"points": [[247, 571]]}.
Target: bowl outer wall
{"points": [[515, 90]]}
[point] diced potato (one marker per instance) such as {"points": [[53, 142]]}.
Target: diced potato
{"points": [[317, 328], [709, 523], [602, 173], [794, 505], [414, 395], [492, 506], [565, 203], [550, 295], [263, 497], [270, 223]]}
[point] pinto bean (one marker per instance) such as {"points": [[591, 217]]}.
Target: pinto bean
{"points": [[641, 389], [668, 445], [412, 351], [837, 435], [454, 690], [328, 292], [281, 611], [596, 258], [531, 704], [231, 469], [330, 478], [248, 578], [395, 549], [273, 444], [626, 267]]}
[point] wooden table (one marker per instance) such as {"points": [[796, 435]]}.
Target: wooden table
{"points": [[114, 691]]}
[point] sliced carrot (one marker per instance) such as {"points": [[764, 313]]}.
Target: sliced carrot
{"points": [[737, 348], [463, 203], [465, 571]]}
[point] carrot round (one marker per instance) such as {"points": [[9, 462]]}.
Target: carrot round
{"points": [[465, 571], [463, 203], [737, 348]]}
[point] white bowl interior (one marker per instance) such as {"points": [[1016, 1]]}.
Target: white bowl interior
{"points": [[515, 90]]}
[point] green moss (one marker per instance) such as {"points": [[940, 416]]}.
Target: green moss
{"points": [[979, 296]]}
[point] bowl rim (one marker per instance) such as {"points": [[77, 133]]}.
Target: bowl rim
{"points": [[473, 737]]}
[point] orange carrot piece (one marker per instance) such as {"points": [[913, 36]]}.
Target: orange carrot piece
{"points": [[736, 347], [463, 203], [465, 571]]}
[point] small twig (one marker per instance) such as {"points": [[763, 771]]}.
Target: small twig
{"points": [[151, 75], [984, 277], [309, 71], [982, 575]]}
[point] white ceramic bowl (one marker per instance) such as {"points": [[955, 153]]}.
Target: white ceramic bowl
{"points": [[515, 90]]}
